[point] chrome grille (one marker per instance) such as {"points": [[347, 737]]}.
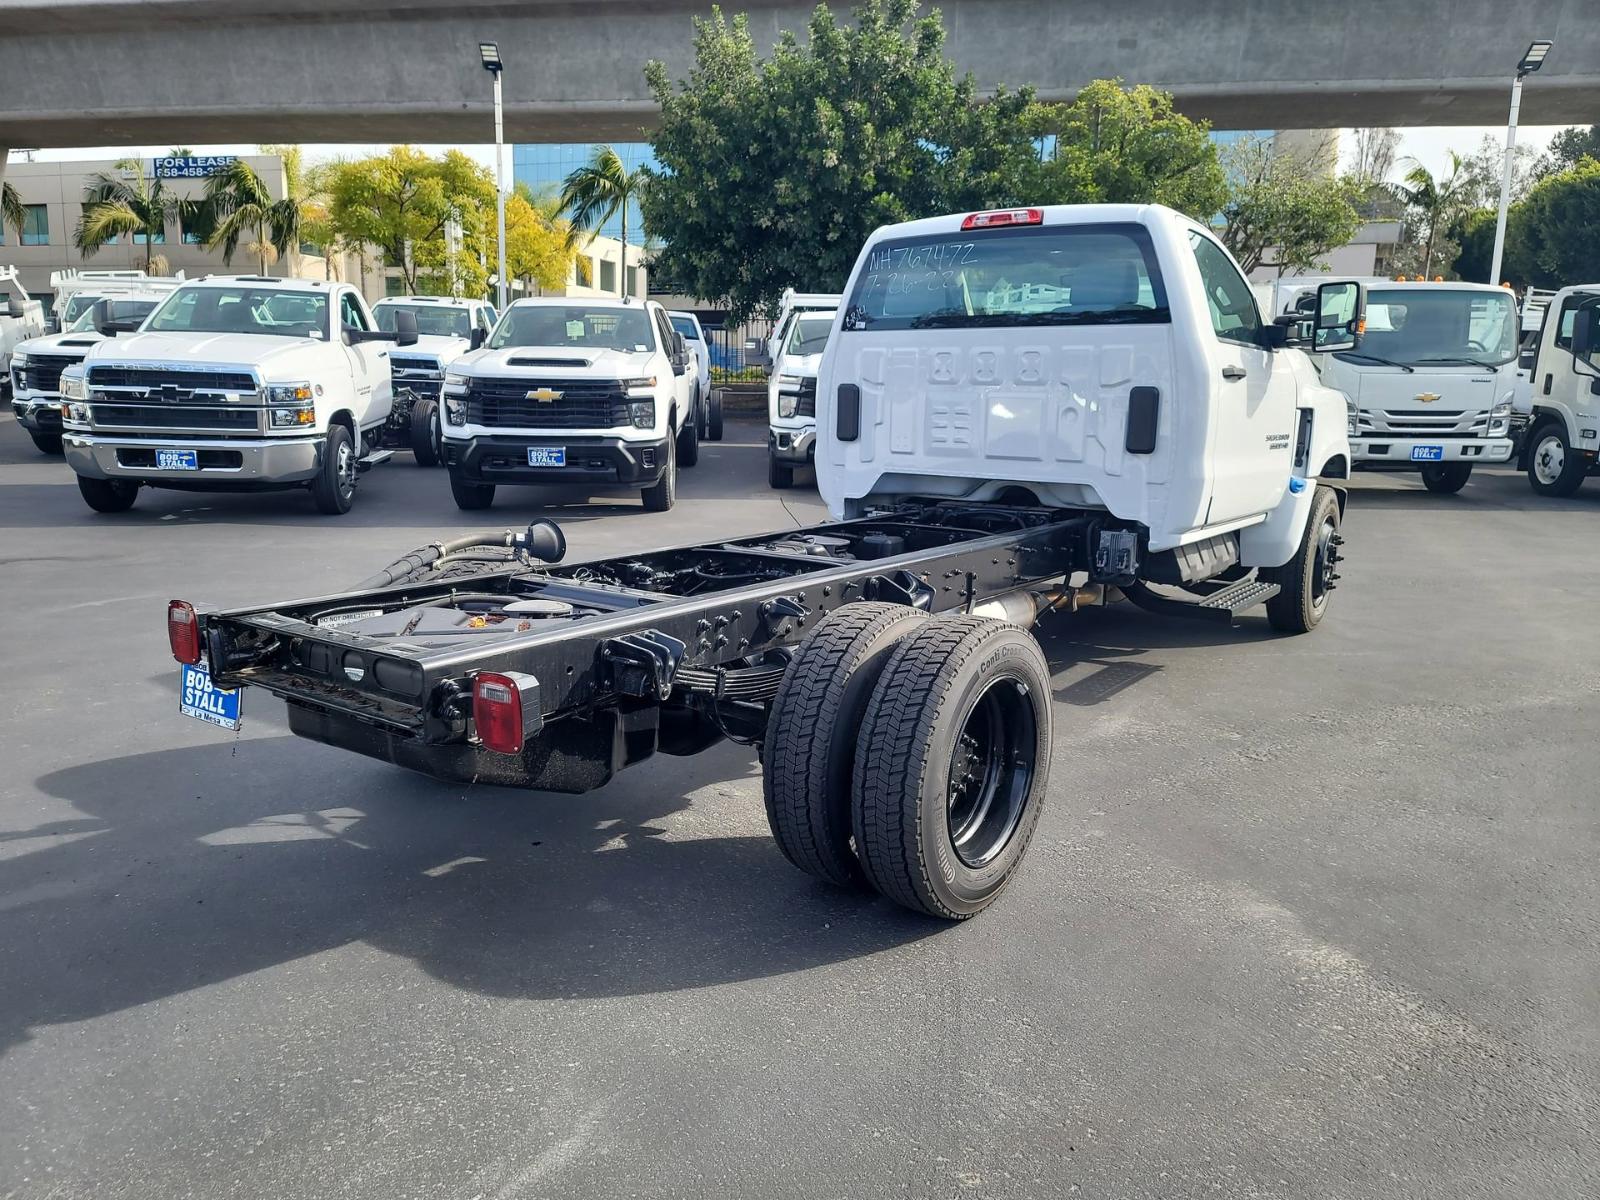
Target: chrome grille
{"points": [[146, 378], [232, 419], [583, 404]]}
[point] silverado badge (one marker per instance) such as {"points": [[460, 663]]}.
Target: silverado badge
{"points": [[544, 395], [1426, 397]]}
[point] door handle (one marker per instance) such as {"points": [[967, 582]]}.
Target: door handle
{"points": [[1231, 373]]}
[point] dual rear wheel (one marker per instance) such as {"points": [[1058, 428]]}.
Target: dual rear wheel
{"points": [[909, 754]]}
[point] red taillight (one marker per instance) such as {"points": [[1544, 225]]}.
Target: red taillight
{"points": [[497, 712], [997, 217], [183, 632]]}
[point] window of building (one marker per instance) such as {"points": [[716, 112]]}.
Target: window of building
{"points": [[608, 275], [35, 225], [140, 239], [633, 281]]}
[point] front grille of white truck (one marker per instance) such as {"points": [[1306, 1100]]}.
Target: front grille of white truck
{"points": [[1451, 423], [548, 404], [43, 372]]}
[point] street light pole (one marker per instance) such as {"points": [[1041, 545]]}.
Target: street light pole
{"points": [[490, 53], [1531, 62]]}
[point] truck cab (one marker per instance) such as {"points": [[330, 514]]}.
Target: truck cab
{"points": [[1099, 356], [38, 364], [235, 383], [580, 394], [446, 329], [792, 396], [1562, 447], [1433, 386], [21, 318], [694, 337], [790, 305]]}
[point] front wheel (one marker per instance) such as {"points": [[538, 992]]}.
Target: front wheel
{"points": [[48, 443], [425, 433], [714, 416], [689, 443], [664, 494], [1307, 578], [1553, 468], [334, 488], [471, 497], [108, 495], [1446, 478], [779, 475]]}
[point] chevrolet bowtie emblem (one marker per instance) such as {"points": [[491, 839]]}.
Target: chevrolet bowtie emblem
{"points": [[1426, 397], [544, 395]]}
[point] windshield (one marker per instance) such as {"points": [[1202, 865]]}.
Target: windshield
{"points": [[1036, 275], [574, 327], [1439, 327], [687, 327], [116, 310], [809, 335], [242, 309], [432, 319], [77, 306]]}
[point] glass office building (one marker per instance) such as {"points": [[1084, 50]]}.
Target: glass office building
{"points": [[545, 167]]}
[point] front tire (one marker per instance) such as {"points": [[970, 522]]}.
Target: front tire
{"points": [[808, 754], [425, 433], [1307, 578], [471, 497], [779, 475], [714, 416], [1446, 478], [951, 765], [48, 443], [664, 493], [1553, 468], [108, 495], [689, 443], [334, 488]]}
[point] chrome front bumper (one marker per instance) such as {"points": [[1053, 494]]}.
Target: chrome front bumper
{"points": [[278, 460], [792, 445]]}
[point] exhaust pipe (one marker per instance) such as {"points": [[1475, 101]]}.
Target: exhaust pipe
{"points": [[1025, 607]]}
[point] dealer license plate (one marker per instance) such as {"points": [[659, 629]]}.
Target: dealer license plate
{"points": [[547, 456], [177, 460], [1427, 454], [203, 700]]}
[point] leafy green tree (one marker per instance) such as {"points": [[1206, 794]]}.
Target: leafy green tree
{"points": [[1116, 145], [1437, 201], [242, 209], [539, 241], [1281, 211], [400, 201], [598, 191], [1556, 224], [1473, 234], [1568, 147], [123, 201], [775, 171]]}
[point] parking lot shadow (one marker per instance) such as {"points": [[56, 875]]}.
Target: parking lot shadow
{"points": [[190, 867]]}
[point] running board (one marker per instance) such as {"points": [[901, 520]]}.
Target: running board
{"points": [[1224, 606], [373, 459]]}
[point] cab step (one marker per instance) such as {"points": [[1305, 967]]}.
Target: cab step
{"points": [[373, 458], [1223, 606]]}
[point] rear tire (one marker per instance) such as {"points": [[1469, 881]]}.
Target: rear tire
{"points": [[471, 497], [714, 416], [1308, 577], [48, 443], [664, 494], [425, 433], [1446, 478], [108, 495], [1553, 468], [809, 751], [334, 488], [778, 475], [689, 443], [951, 765]]}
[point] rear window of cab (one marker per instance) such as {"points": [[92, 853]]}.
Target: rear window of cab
{"points": [[1031, 275]]}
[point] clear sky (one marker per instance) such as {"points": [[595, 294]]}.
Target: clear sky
{"points": [[1430, 146]]}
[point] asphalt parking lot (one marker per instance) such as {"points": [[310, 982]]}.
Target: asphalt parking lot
{"points": [[1309, 917]]}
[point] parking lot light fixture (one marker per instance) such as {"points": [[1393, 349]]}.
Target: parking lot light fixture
{"points": [[489, 52], [1531, 61]]}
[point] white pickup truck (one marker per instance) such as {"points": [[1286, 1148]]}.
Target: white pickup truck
{"points": [[38, 364], [236, 383], [580, 394], [447, 328], [21, 318], [792, 397], [1562, 447]]}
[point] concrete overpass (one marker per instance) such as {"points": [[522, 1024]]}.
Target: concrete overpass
{"points": [[107, 72]]}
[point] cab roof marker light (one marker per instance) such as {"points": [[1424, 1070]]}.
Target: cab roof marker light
{"points": [[995, 218]]}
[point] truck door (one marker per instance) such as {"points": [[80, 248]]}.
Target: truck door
{"points": [[1253, 440], [1556, 377], [369, 363]]}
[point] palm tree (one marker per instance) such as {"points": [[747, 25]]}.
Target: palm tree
{"points": [[11, 210], [597, 191], [1439, 200], [124, 201], [245, 212]]}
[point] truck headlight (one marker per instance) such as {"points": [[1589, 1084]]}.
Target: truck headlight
{"points": [[788, 405], [74, 412], [643, 413], [289, 405], [1351, 418], [454, 379], [455, 408], [74, 385], [1503, 409], [640, 387], [19, 359]]}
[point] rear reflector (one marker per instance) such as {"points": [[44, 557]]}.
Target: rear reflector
{"points": [[997, 217], [505, 709], [183, 632]]}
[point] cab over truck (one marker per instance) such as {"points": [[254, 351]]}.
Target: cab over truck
{"points": [[1019, 411], [1562, 448], [235, 383]]}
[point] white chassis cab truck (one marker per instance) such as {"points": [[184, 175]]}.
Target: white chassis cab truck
{"points": [[446, 329], [21, 318], [1433, 386], [1021, 411], [1562, 447], [235, 383], [571, 393], [37, 365], [792, 396]]}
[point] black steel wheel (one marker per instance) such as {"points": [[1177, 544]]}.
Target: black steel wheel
{"points": [[991, 772], [1307, 579]]}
